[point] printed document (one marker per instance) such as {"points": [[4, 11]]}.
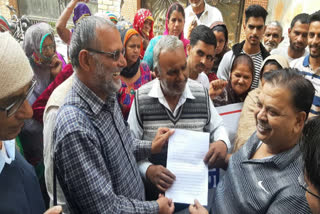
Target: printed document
{"points": [[186, 151]]}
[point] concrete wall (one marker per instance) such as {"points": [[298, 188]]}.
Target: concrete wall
{"points": [[112, 6]]}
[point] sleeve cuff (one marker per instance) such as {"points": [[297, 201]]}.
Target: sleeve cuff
{"points": [[143, 166]]}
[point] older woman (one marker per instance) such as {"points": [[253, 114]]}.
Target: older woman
{"points": [[247, 122], [143, 23], [236, 89], [135, 74], [39, 46], [174, 26]]}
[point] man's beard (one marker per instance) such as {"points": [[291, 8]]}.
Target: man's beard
{"points": [[105, 81], [270, 46]]}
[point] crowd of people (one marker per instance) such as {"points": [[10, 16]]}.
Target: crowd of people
{"points": [[88, 132]]}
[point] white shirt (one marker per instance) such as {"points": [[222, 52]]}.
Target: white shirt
{"points": [[203, 80], [7, 153], [215, 126], [209, 16], [283, 51]]}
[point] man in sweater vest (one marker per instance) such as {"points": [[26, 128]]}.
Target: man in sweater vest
{"points": [[20, 190], [174, 101]]}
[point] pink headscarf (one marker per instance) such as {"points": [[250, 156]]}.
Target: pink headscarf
{"points": [[181, 37]]}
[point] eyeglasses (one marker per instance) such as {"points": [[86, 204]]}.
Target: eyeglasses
{"points": [[115, 55], [304, 186], [13, 108]]}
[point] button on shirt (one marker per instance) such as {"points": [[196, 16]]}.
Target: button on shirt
{"points": [[7, 153], [268, 185], [303, 65], [209, 16], [96, 156]]}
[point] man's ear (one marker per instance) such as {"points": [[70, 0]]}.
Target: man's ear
{"points": [[282, 38], [156, 71], [244, 26], [289, 30], [188, 49], [300, 120], [85, 60]]}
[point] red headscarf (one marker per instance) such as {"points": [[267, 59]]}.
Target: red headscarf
{"points": [[139, 20]]}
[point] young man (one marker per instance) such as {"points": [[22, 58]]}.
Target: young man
{"points": [[20, 190], [297, 34], [200, 13], [310, 64], [272, 36], [201, 51], [254, 27]]}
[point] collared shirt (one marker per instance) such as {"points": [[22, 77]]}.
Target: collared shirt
{"points": [[7, 153], [268, 185], [209, 16], [303, 65], [215, 126], [96, 156]]}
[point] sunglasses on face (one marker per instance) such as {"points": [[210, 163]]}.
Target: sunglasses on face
{"points": [[115, 55], [15, 106]]}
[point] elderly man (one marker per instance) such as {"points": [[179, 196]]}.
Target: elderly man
{"points": [[310, 179], [95, 155], [20, 190], [254, 29], [310, 65], [200, 13], [175, 101], [297, 34], [272, 36], [201, 51], [262, 176]]}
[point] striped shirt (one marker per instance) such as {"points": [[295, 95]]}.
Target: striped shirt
{"points": [[257, 62], [268, 185], [302, 64], [96, 156]]}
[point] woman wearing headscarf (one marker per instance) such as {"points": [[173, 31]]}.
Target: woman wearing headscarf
{"points": [[247, 122], [143, 23], [175, 19], [39, 46], [4, 25], [135, 74], [79, 12]]}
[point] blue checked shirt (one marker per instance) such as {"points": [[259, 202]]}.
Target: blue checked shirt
{"points": [[269, 185], [96, 156]]}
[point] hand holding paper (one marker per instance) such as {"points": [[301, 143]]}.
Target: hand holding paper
{"points": [[186, 152]]}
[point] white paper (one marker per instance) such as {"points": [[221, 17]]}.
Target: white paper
{"points": [[186, 151], [230, 115]]}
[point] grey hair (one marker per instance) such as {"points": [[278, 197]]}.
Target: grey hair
{"points": [[276, 24], [84, 36], [166, 43]]}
